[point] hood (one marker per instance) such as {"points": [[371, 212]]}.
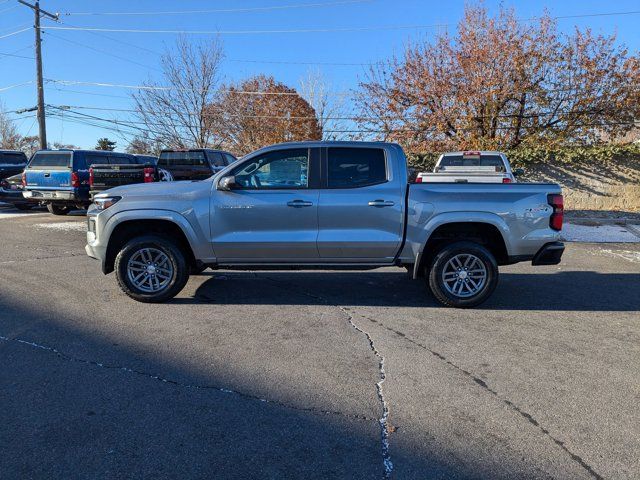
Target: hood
{"points": [[165, 190]]}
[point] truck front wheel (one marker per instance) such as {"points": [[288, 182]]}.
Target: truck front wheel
{"points": [[151, 269], [463, 275]]}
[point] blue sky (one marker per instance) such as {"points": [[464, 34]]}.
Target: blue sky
{"points": [[67, 56]]}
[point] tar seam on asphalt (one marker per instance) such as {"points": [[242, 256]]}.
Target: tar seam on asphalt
{"points": [[383, 420], [247, 396], [488, 389]]}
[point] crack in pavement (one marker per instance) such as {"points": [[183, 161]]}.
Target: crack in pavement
{"points": [[493, 392], [70, 358], [383, 420], [8, 262]]}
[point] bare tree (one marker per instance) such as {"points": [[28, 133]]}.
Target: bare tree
{"points": [[9, 136], [261, 111], [500, 83], [174, 111], [330, 107]]}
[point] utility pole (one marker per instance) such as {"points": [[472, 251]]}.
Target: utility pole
{"points": [[41, 113]]}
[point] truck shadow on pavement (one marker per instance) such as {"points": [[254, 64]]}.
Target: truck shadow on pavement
{"points": [[81, 404], [562, 291]]}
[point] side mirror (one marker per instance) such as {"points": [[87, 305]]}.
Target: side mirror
{"points": [[227, 183], [518, 172]]}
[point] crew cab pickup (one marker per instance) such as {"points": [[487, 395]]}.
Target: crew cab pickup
{"points": [[120, 170], [474, 167], [324, 204], [60, 178]]}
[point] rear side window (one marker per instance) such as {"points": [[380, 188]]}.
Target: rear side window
{"points": [[229, 158], [174, 159], [356, 167], [13, 158], [49, 160], [473, 161]]}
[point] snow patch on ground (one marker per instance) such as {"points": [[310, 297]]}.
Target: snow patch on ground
{"points": [[629, 255], [599, 233], [63, 226]]}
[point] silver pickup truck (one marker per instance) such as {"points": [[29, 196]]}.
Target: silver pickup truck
{"points": [[335, 205]]}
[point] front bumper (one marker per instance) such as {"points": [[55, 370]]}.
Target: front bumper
{"points": [[549, 254]]}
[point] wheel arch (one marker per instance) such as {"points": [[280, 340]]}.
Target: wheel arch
{"points": [[490, 234], [128, 229]]}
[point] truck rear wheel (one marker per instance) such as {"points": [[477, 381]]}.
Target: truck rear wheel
{"points": [[151, 269], [463, 275], [58, 209]]}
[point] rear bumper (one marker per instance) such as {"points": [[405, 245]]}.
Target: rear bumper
{"points": [[12, 196], [61, 197], [549, 254]]}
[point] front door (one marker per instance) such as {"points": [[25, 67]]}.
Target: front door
{"points": [[271, 214]]}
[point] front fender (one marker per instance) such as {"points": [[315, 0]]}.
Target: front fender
{"points": [[197, 239]]}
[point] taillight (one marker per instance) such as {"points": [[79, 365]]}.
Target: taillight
{"points": [[506, 180], [557, 203], [418, 179], [24, 179], [148, 174], [75, 181], [91, 177]]}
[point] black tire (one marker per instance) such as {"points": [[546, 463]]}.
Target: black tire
{"points": [[23, 206], [198, 270], [176, 257], [436, 269], [58, 209]]}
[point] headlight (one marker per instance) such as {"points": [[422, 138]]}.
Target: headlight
{"points": [[102, 203]]}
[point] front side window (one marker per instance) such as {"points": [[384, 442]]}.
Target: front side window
{"points": [[355, 167], [216, 159], [179, 159], [275, 170]]}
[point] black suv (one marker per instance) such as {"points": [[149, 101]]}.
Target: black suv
{"points": [[192, 164]]}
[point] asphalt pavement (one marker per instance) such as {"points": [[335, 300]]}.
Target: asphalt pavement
{"points": [[314, 375]]}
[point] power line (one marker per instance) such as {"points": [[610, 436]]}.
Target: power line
{"points": [[161, 88], [251, 32], [318, 30], [15, 33], [9, 87], [224, 10], [104, 52]]}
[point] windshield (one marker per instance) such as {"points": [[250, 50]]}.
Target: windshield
{"points": [[50, 160], [169, 159], [17, 158], [472, 161]]}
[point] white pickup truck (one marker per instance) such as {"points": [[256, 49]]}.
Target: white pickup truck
{"points": [[323, 204], [471, 167]]}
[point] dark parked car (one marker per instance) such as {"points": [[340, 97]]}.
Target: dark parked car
{"points": [[192, 164], [60, 178], [12, 162], [11, 192]]}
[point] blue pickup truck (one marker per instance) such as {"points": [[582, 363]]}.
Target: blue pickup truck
{"points": [[60, 178]]}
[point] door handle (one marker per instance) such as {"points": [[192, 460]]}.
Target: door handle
{"points": [[299, 203], [381, 203]]}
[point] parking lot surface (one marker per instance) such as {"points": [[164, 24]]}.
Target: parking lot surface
{"points": [[314, 374]]}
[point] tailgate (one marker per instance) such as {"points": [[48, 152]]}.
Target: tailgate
{"points": [[48, 179], [108, 176]]}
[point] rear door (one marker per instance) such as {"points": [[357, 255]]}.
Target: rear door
{"points": [[49, 171], [360, 208], [272, 214]]}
